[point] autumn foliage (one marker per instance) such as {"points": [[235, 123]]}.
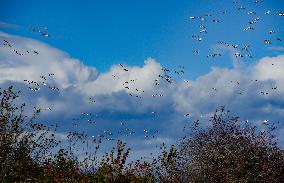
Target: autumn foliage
{"points": [[226, 150]]}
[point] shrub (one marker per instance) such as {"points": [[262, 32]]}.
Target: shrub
{"points": [[227, 151]]}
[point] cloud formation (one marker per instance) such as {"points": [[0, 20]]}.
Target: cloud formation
{"points": [[31, 66], [255, 92], [6, 25], [113, 80]]}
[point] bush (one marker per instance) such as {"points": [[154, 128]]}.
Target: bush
{"points": [[227, 151], [16, 161], [114, 169], [26, 149]]}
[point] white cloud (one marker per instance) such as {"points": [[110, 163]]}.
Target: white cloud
{"points": [[270, 68], [113, 80], [69, 72], [238, 89], [200, 95], [31, 66], [220, 86], [197, 97]]}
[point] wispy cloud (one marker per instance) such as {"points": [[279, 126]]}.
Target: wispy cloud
{"points": [[6, 25], [276, 48]]}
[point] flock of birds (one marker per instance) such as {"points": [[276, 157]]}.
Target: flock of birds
{"points": [[9, 45], [42, 31], [37, 85], [208, 18], [161, 80]]}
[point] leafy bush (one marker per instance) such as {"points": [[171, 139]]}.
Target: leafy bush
{"points": [[27, 148], [227, 151], [113, 168]]}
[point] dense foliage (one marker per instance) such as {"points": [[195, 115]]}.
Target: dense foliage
{"points": [[228, 150]]}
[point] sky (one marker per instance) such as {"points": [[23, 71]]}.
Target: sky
{"points": [[101, 33], [90, 40]]}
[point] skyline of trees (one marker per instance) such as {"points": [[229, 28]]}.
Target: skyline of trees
{"points": [[227, 150]]}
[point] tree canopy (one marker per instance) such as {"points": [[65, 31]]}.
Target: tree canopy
{"points": [[226, 150]]}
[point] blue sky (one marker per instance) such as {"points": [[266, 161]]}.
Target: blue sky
{"points": [[89, 40], [101, 33]]}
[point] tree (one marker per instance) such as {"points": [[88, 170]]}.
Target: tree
{"points": [[115, 169], [227, 151], [28, 152], [23, 143]]}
